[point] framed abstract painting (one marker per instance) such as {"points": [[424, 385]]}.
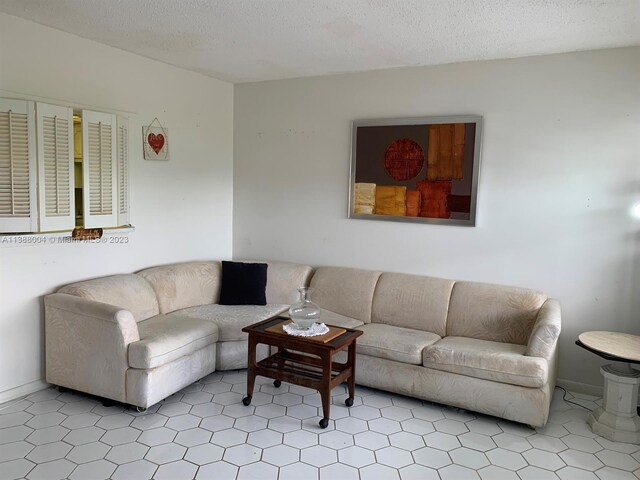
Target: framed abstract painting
{"points": [[422, 170]]}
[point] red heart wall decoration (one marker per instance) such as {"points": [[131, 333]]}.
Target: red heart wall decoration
{"points": [[156, 142]]}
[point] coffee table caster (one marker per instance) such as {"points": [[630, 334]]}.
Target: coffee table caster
{"points": [[277, 383], [349, 402], [246, 401], [324, 423]]}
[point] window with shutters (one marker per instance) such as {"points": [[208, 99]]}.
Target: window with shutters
{"points": [[61, 169], [55, 167], [18, 211]]}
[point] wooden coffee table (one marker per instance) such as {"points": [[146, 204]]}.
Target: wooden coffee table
{"points": [[304, 361]]}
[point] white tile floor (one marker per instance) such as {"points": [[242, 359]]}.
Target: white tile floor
{"points": [[205, 432]]}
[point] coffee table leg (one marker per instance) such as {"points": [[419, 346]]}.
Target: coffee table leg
{"points": [[351, 382], [251, 370], [325, 391]]}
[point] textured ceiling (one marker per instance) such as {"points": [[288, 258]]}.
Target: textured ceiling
{"points": [[251, 40]]}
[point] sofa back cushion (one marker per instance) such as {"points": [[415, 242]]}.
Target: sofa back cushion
{"points": [[493, 312], [347, 291], [283, 280], [184, 285], [412, 301], [130, 292]]}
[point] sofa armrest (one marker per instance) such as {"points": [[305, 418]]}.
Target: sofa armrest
{"points": [[86, 344], [546, 331]]}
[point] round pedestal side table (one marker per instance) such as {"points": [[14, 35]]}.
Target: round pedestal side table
{"points": [[617, 419]]}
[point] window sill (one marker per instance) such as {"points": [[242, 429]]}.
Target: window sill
{"points": [[109, 236]]}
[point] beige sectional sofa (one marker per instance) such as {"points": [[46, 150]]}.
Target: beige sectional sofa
{"points": [[139, 338]]}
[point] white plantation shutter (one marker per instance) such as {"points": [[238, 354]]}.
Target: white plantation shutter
{"points": [[123, 170], [55, 167], [18, 209], [99, 170]]}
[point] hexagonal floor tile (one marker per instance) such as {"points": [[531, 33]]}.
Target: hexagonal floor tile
{"points": [[169, 452], [118, 420], [477, 441], [431, 457], [394, 457], [543, 459], [339, 471], [379, 472], [582, 460], [48, 452], [179, 470], [356, 456], [217, 470], [300, 439], [406, 441], [419, 472], [469, 458], [55, 469], [47, 435], [138, 470], [88, 452], [100, 469], [258, 471], [458, 472], [497, 473], [217, 423], [371, 440], [204, 410], [336, 439], [506, 459], [242, 454], [442, 441], [318, 456], [157, 436], [535, 473], [385, 426], [84, 435], [126, 453], [204, 454], [120, 436], [280, 455], [46, 420], [16, 468], [229, 438], [298, 471]]}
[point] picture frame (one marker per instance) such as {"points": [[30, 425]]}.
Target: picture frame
{"points": [[416, 169]]}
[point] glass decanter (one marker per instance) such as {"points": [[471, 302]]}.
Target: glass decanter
{"points": [[304, 313]]}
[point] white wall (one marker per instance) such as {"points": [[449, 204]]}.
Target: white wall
{"points": [[182, 209], [560, 168]]}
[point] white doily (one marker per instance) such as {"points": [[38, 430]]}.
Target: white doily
{"points": [[313, 331]]}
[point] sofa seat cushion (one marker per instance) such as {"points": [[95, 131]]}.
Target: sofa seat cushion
{"points": [[394, 343], [496, 361], [165, 338], [231, 319], [331, 318]]}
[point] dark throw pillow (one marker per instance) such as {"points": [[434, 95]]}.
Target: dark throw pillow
{"points": [[243, 283]]}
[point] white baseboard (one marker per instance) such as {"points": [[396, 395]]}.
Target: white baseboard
{"points": [[579, 387], [22, 390]]}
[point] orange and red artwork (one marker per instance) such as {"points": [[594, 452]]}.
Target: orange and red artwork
{"points": [[421, 170]]}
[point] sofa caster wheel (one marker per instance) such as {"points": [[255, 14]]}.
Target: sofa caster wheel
{"points": [[324, 423], [141, 409], [277, 383], [349, 402], [246, 401]]}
